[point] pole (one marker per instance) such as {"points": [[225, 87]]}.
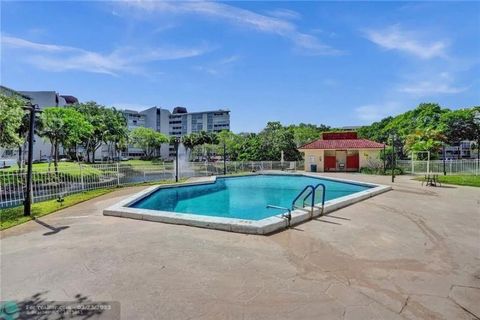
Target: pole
{"points": [[384, 158], [224, 159], [443, 151], [428, 162], [176, 159], [393, 158], [28, 194], [413, 163]]}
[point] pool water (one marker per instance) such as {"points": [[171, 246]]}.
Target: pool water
{"points": [[244, 197]]}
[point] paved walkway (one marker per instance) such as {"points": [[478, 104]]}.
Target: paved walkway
{"points": [[409, 253]]}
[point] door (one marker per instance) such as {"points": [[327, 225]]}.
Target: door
{"points": [[330, 163], [353, 162]]}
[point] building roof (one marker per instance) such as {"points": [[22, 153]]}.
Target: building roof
{"points": [[10, 91], [69, 99], [343, 144]]}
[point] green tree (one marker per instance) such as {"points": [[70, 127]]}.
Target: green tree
{"points": [[97, 115], [11, 116], [63, 126], [424, 140], [116, 136], [274, 139], [458, 125], [305, 133], [148, 140]]}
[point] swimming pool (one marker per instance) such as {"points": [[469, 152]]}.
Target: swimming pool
{"points": [[239, 204], [241, 197]]}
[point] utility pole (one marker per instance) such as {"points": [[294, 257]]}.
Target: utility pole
{"points": [[27, 204]]}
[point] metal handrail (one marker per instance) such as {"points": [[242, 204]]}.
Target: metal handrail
{"points": [[285, 215], [300, 194], [324, 190]]}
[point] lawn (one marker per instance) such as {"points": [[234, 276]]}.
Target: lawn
{"points": [[461, 180], [70, 167], [10, 217], [13, 216]]}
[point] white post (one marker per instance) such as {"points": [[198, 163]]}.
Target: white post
{"points": [[413, 165], [81, 177], [428, 162], [118, 174]]}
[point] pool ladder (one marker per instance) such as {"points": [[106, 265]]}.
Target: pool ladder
{"points": [[308, 191]]}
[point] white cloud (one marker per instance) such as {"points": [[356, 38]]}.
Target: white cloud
{"points": [[53, 57], [238, 16], [394, 38], [435, 84], [219, 67], [284, 14]]}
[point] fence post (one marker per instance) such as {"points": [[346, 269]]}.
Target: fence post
{"points": [[413, 165], [81, 177], [118, 174]]}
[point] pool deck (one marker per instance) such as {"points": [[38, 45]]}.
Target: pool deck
{"points": [[411, 253]]}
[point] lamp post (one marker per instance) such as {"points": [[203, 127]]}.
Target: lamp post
{"points": [[384, 158], [224, 158], [443, 151], [393, 158], [27, 204], [176, 142]]}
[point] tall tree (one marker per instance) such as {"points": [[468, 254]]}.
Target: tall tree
{"points": [[148, 140], [11, 116], [97, 116], [424, 140], [305, 133], [116, 136], [63, 126]]}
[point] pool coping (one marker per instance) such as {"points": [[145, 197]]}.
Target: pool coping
{"points": [[260, 227]]}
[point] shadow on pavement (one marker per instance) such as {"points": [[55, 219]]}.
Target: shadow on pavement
{"points": [[53, 229]]}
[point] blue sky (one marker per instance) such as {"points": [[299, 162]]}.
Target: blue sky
{"points": [[338, 63]]}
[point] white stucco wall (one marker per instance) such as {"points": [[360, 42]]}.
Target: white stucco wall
{"points": [[367, 157], [313, 156]]}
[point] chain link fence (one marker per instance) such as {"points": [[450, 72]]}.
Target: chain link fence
{"points": [[48, 184]]}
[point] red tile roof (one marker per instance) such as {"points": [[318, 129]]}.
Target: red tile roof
{"points": [[343, 144]]}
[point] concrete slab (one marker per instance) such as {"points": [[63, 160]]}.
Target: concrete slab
{"points": [[409, 253]]}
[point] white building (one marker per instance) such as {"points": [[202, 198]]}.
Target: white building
{"points": [[178, 123], [44, 99]]}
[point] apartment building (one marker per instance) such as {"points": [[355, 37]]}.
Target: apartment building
{"points": [[177, 123], [44, 99]]}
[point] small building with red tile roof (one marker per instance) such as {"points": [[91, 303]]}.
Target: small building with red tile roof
{"points": [[340, 151]]}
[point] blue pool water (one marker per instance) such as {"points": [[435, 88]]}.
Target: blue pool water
{"points": [[241, 197]]}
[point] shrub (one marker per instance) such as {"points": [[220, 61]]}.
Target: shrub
{"points": [[379, 171]]}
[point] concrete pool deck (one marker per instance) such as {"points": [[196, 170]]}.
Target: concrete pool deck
{"points": [[411, 253]]}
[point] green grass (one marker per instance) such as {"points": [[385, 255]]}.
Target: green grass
{"points": [[11, 217], [461, 180], [14, 216]]}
